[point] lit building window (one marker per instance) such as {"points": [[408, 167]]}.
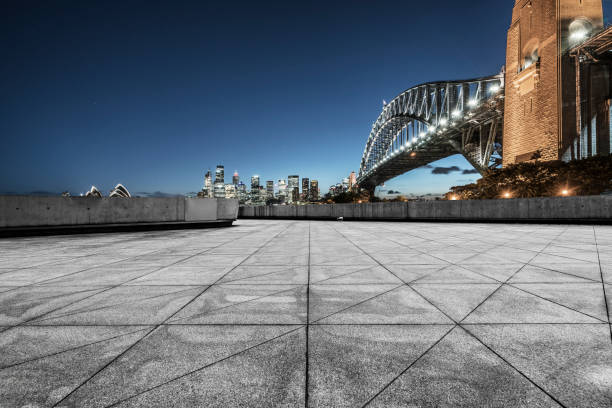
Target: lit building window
{"points": [[594, 136], [610, 121], [584, 143]]}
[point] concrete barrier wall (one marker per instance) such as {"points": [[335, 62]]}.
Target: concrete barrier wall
{"points": [[28, 211], [594, 208]]}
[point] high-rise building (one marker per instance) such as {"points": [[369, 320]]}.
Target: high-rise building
{"points": [[270, 188], [352, 181], [345, 184], [241, 192], [293, 182], [282, 190], [254, 184], [208, 185], [314, 190], [305, 186], [230, 191], [219, 182], [235, 179], [295, 195]]}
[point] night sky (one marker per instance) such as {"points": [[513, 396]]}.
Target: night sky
{"points": [[153, 93]]}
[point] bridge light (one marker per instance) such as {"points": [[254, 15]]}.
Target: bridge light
{"points": [[443, 121], [473, 103], [457, 114], [494, 89], [422, 134], [579, 35], [432, 129], [413, 154]]}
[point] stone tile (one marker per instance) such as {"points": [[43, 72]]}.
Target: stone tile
{"points": [[221, 261], [409, 259], [455, 274], [102, 276], [581, 269], [511, 305], [169, 353], [326, 300], [499, 271], [242, 304], [260, 274], [25, 344], [456, 300], [339, 258], [26, 303], [571, 362], [587, 298], [410, 273], [460, 372], [353, 274], [44, 381], [123, 305], [350, 364], [272, 374], [534, 274], [398, 306], [183, 275]]}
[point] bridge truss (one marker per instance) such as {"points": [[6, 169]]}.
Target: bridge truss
{"points": [[432, 121]]}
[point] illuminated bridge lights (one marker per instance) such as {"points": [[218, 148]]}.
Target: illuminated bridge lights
{"points": [[452, 111]]}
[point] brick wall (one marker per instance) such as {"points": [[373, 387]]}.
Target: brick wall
{"points": [[539, 115]]}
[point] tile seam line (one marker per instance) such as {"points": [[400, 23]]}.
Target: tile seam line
{"points": [[166, 320], [383, 389], [513, 367], [603, 283]]}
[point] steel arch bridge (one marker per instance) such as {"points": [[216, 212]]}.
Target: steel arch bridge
{"points": [[432, 121]]}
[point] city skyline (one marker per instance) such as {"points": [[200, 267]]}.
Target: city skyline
{"points": [[152, 119]]}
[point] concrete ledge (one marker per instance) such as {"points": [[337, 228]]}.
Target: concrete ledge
{"points": [[34, 215], [590, 209]]}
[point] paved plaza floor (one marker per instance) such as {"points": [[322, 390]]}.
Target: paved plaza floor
{"points": [[309, 314]]}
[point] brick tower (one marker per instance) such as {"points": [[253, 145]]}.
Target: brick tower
{"points": [[540, 106]]}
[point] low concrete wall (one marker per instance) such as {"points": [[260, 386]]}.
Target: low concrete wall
{"points": [[591, 208], [28, 211]]}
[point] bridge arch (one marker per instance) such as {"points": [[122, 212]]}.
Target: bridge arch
{"points": [[432, 121]]}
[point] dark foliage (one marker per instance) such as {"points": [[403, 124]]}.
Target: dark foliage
{"points": [[592, 176]]}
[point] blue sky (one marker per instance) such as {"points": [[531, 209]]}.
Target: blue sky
{"points": [[153, 93]]}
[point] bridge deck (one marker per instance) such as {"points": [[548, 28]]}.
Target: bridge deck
{"points": [[319, 314]]}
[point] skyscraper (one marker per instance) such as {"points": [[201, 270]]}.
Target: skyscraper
{"points": [[282, 190], [254, 184], [305, 185], [293, 182], [314, 190], [208, 185], [220, 182], [235, 179], [270, 188], [352, 181], [230, 191]]}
